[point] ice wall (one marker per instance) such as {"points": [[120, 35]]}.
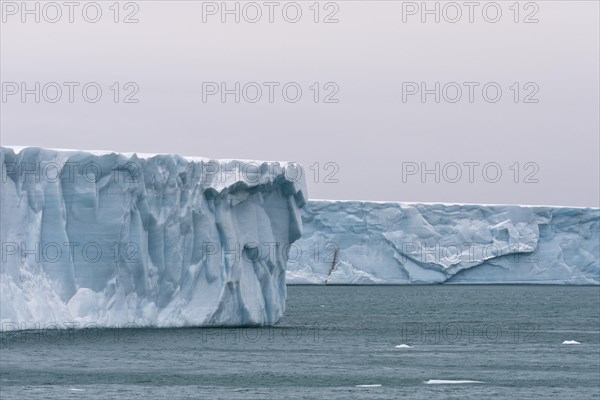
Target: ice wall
{"points": [[144, 240], [351, 242]]}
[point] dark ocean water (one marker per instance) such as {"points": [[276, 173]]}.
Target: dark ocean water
{"points": [[331, 340]]}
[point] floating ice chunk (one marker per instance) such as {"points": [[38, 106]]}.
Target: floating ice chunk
{"points": [[448, 382], [571, 342], [369, 386], [403, 346]]}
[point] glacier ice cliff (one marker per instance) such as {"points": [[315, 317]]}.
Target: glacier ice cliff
{"points": [[164, 241], [353, 242], [149, 240]]}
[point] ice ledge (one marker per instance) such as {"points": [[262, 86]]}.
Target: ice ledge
{"points": [[439, 203], [401, 243]]}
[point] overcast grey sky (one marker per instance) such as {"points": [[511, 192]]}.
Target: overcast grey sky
{"points": [[364, 127]]}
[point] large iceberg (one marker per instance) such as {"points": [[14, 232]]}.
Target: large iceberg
{"points": [[143, 240], [353, 242]]}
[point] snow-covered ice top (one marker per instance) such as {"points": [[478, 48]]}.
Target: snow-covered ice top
{"points": [[152, 240], [363, 242]]}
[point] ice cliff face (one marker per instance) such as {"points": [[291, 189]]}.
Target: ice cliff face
{"points": [[163, 240], [349, 242]]}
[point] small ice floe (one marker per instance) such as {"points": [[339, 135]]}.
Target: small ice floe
{"points": [[369, 386], [403, 346], [76, 390], [571, 342], [448, 382]]}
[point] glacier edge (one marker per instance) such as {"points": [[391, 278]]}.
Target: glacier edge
{"points": [[144, 240], [424, 243]]}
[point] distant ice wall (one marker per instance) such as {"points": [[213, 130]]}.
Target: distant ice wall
{"points": [[352, 242], [108, 238]]}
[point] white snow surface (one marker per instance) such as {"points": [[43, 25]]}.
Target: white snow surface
{"points": [[362, 242], [111, 239]]}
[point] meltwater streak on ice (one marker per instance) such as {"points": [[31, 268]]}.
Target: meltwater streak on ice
{"points": [[403, 243], [160, 212]]}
